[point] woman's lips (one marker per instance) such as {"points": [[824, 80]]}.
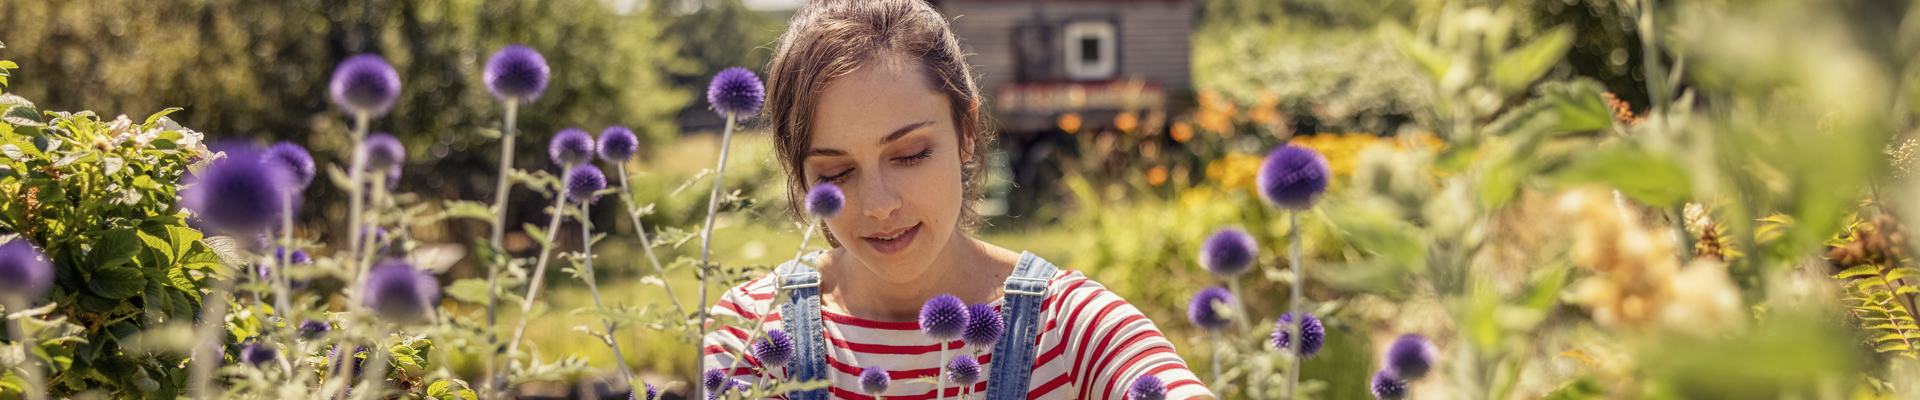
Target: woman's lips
{"points": [[897, 244]]}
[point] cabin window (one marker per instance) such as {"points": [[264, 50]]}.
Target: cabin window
{"points": [[1091, 50]]}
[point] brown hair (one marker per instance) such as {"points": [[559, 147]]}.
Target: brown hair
{"points": [[827, 39]]}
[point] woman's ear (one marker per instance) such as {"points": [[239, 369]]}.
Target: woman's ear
{"points": [[970, 132]]}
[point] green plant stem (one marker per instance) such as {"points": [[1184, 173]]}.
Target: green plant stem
{"points": [[369, 244], [1215, 343], [376, 367], [283, 283], [1293, 305], [586, 250], [626, 196], [206, 349], [539, 271], [1656, 74], [355, 204], [706, 240], [501, 189], [36, 388], [761, 324], [940, 374]]}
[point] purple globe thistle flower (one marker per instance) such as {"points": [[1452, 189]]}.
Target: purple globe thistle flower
{"points": [[1204, 310], [398, 292], [365, 84], [570, 147], [297, 162], [25, 273], [584, 184], [257, 353], [299, 257], [964, 370], [1228, 252], [516, 73], [1311, 329], [1148, 387], [617, 144], [383, 152], [943, 317], [736, 92], [311, 329], [825, 200], [775, 350], [984, 325], [238, 195], [714, 380], [358, 358], [653, 393], [378, 237], [1293, 177], [1385, 386], [874, 381], [1411, 356]]}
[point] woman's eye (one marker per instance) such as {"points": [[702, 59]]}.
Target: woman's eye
{"points": [[835, 177], [917, 157]]}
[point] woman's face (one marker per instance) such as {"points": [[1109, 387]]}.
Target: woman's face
{"points": [[888, 141]]}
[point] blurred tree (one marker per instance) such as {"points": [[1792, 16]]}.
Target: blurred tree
{"points": [[714, 35]]}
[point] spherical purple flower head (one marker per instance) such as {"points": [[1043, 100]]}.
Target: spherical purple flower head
{"points": [[585, 183], [653, 393], [376, 236], [400, 293], [365, 84], [964, 370], [874, 381], [299, 257], [570, 147], [25, 273], [617, 144], [825, 200], [1293, 177], [383, 152], [984, 326], [1386, 386], [311, 329], [1205, 309], [736, 92], [1148, 387], [1311, 329], [297, 162], [516, 73], [944, 317], [1411, 356], [1228, 252], [359, 358], [258, 353], [240, 194], [714, 379], [775, 350]]}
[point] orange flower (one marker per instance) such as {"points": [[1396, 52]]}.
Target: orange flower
{"points": [[1070, 122], [1181, 132], [1126, 122], [1157, 175]]}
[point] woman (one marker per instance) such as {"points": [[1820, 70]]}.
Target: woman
{"points": [[875, 97]]}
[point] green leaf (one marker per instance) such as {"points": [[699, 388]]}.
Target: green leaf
{"points": [[1891, 346], [159, 247], [156, 116], [438, 389], [1579, 105], [1890, 336], [1520, 67], [1863, 270], [1657, 181], [1902, 272], [114, 249], [471, 290], [1907, 290], [467, 209], [117, 283], [1429, 59], [538, 235]]}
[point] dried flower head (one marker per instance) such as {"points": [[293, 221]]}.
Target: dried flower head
{"points": [[1205, 309], [297, 162], [825, 200], [585, 183], [25, 273], [570, 147], [1148, 387], [383, 152], [1228, 252], [258, 353], [312, 329], [1411, 356], [943, 317], [400, 293], [617, 144], [964, 370], [874, 381], [775, 350], [516, 73], [240, 194], [365, 84], [1386, 386], [736, 93], [984, 326], [1293, 177], [1310, 328]]}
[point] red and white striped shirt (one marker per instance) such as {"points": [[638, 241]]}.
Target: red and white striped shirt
{"points": [[1093, 345]]}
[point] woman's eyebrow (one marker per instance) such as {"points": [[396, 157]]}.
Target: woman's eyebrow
{"points": [[896, 135]]}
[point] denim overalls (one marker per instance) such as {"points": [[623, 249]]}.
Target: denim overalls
{"points": [[1012, 357]]}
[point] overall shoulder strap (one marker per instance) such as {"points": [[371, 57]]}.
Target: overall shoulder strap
{"points": [[1013, 356], [801, 315]]}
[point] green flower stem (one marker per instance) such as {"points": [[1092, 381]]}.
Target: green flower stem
{"points": [[626, 196], [1293, 305], [36, 389], [940, 374], [586, 249], [761, 325], [500, 192], [354, 201], [706, 240], [539, 270], [369, 243], [206, 350], [1215, 344], [371, 385]]}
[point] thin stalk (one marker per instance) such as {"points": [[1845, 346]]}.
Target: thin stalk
{"points": [[376, 367], [1657, 85], [761, 324], [1215, 335], [36, 388], [586, 249], [540, 267], [626, 196], [940, 375], [368, 245], [206, 353], [355, 204], [284, 283], [1683, 236], [1293, 305], [706, 238], [500, 192]]}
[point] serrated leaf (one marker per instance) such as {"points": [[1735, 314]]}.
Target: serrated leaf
{"points": [[467, 209], [1902, 272], [116, 283], [1863, 270], [1523, 65], [114, 249], [1658, 181], [538, 235], [1907, 290], [471, 290], [1891, 346], [1890, 336], [151, 119]]}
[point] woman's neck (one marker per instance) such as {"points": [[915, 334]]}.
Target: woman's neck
{"points": [[966, 268]]}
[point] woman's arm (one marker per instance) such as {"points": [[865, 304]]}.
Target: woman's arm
{"points": [[1110, 344]]}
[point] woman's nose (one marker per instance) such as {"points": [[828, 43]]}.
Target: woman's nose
{"points": [[877, 197]]}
